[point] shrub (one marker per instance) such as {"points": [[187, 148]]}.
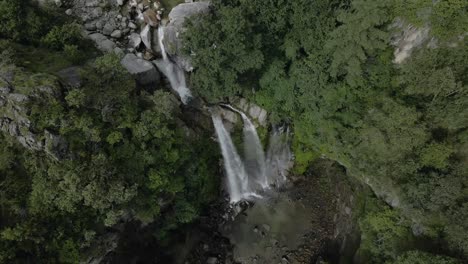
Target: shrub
{"points": [[22, 21], [73, 54], [61, 36]]}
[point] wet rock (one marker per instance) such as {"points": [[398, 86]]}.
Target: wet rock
{"points": [[254, 111], [145, 35], [155, 42], [229, 116], [151, 18], [143, 71]]}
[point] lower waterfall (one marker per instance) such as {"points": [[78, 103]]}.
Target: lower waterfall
{"points": [[249, 176]]}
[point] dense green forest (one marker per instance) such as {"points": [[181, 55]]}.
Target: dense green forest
{"points": [[129, 156], [324, 66]]}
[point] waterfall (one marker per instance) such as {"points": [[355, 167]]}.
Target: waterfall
{"points": [[172, 71], [237, 178], [279, 155], [254, 173], [254, 156]]}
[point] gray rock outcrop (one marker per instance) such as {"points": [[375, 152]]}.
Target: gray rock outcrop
{"points": [[17, 90], [175, 28], [254, 111], [143, 71], [102, 42]]}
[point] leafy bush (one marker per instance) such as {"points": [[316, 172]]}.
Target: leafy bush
{"points": [[419, 257], [73, 53], [59, 37], [22, 21]]}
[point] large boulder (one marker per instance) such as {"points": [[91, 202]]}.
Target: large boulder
{"points": [[102, 42], [175, 28], [143, 71], [71, 76]]}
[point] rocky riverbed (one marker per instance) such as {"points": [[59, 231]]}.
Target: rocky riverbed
{"points": [[308, 221]]}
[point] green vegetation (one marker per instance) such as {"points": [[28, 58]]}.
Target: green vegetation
{"points": [[447, 18], [42, 40], [417, 257], [327, 66], [128, 155], [169, 4]]}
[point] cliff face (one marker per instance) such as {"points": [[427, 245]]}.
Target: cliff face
{"points": [[18, 89]]}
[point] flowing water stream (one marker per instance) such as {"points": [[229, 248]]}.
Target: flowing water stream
{"points": [[237, 178], [251, 175], [172, 71], [255, 172]]}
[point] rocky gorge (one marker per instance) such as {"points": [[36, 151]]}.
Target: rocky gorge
{"points": [[130, 28], [273, 196]]}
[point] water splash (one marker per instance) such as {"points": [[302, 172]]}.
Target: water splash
{"points": [[279, 155], [172, 71], [255, 173]]}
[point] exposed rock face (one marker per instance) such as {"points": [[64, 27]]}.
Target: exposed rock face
{"points": [[17, 90], [175, 27], [408, 39], [254, 111], [146, 37], [143, 71], [179, 13]]}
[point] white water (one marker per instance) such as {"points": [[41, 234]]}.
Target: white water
{"points": [[236, 175], [173, 72], [255, 173], [279, 156], [254, 156]]}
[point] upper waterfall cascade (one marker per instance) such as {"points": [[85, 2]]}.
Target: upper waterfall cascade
{"points": [[255, 172], [173, 72]]}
